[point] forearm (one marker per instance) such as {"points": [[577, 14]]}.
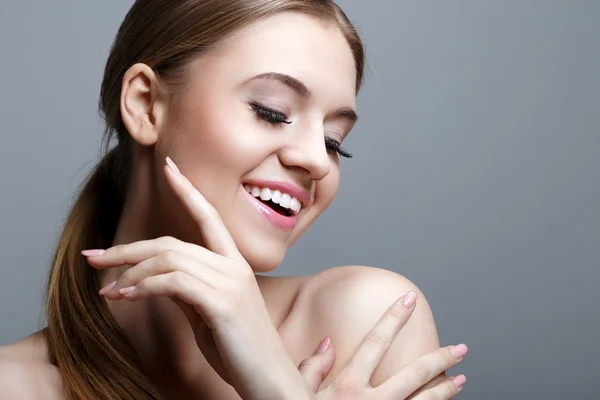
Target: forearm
{"points": [[277, 378]]}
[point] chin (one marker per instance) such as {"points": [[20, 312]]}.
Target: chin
{"points": [[262, 255]]}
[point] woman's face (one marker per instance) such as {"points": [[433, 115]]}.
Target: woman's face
{"points": [[263, 113]]}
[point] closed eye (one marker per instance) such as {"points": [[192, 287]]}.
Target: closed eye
{"points": [[333, 145], [267, 114]]}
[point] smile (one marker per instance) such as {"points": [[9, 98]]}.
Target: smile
{"points": [[278, 208], [281, 202]]}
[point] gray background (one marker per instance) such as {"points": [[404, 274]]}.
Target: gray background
{"points": [[476, 172]]}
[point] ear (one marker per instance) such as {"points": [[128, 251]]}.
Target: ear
{"points": [[143, 106]]}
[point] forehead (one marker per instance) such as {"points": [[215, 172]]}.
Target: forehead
{"points": [[295, 44]]}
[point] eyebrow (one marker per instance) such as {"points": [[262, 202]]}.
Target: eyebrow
{"points": [[301, 89]]}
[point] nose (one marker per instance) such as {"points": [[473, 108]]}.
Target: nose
{"points": [[309, 153]]}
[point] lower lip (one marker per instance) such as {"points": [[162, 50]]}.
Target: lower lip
{"points": [[281, 221]]}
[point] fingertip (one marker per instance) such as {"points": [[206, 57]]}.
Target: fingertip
{"points": [[409, 299], [324, 345], [93, 252], [171, 164], [459, 381], [459, 351]]}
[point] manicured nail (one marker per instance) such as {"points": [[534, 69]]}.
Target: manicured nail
{"points": [[172, 165], [127, 290], [107, 288], [93, 253], [409, 299], [459, 381], [459, 351], [324, 345]]}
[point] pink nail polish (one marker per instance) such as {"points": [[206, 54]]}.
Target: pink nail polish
{"points": [[459, 381], [127, 290], [93, 253], [107, 288], [459, 351], [324, 345], [409, 299], [172, 165]]}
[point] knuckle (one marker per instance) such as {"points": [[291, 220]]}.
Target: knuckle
{"points": [[444, 391], [346, 387], [167, 241], [448, 357], [125, 276], [450, 389], [376, 339], [397, 311], [177, 278], [120, 249], [307, 363], [419, 369], [169, 256]]}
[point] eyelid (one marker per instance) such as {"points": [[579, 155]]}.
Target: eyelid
{"points": [[271, 102]]}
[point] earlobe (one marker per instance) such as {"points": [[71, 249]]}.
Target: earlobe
{"points": [[141, 104]]}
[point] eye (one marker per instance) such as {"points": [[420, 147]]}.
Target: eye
{"points": [[335, 146], [267, 114]]}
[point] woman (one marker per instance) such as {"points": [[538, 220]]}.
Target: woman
{"points": [[229, 117]]}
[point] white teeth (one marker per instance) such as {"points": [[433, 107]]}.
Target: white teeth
{"points": [[276, 197], [265, 194], [255, 191], [286, 199], [283, 199], [295, 205]]}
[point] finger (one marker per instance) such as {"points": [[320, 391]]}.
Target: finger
{"points": [[136, 252], [316, 367], [202, 297], [441, 388], [216, 236], [378, 340], [421, 371], [169, 261]]}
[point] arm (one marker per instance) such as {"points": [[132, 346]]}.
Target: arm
{"points": [[347, 301]]}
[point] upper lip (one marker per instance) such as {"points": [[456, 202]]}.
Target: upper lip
{"points": [[293, 190]]}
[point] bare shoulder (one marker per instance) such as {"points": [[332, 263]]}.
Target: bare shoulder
{"points": [[24, 373], [345, 302]]}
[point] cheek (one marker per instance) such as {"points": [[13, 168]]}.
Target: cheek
{"points": [[210, 143], [324, 194], [327, 189]]}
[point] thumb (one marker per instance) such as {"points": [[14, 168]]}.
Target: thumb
{"points": [[316, 367]]}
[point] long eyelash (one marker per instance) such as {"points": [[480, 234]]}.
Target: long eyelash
{"points": [[334, 145], [271, 116]]}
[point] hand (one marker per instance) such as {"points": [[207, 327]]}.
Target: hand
{"points": [[216, 289], [423, 379]]}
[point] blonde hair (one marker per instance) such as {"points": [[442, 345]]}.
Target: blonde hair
{"points": [[95, 359]]}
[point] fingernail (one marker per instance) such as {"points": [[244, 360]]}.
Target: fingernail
{"points": [[93, 253], [172, 165], [409, 299], [459, 351], [324, 345], [107, 288], [459, 381], [126, 290]]}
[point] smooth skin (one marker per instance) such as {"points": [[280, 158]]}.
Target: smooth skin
{"points": [[218, 141]]}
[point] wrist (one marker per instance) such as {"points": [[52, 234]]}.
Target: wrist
{"points": [[294, 387], [291, 385]]}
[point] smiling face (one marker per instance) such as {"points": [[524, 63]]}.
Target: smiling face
{"points": [[263, 113]]}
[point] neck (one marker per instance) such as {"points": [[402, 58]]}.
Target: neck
{"points": [[156, 327]]}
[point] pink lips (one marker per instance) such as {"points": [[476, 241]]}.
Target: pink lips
{"points": [[282, 221]]}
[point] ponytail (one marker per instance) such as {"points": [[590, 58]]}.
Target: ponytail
{"points": [[95, 359]]}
